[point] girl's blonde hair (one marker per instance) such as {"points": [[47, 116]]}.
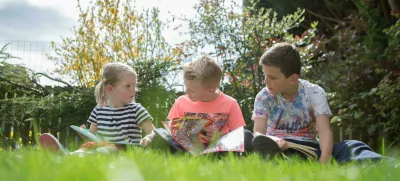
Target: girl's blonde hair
{"points": [[111, 75]]}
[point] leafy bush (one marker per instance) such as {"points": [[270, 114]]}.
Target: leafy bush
{"points": [[359, 65]]}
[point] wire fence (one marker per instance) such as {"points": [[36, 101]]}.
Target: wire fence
{"points": [[34, 56]]}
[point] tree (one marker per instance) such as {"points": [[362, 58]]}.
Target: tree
{"points": [[110, 31]]}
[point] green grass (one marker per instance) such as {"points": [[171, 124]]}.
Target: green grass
{"points": [[142, 164]]}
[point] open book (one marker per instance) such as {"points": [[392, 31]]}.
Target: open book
{"points": [[87, 133], [186, 134], [306, 150]]}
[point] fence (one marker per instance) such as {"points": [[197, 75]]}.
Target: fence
{"points": [[24, 133], [34, 56]]}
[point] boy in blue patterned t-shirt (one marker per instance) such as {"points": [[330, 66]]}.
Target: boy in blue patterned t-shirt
{"points": [[290, 109]]}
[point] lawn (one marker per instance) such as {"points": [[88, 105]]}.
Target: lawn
{"points": [[141, 164]]}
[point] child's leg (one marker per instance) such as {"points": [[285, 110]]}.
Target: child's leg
{"points": [[50, 143], [248, 145], [345, 151], [248, 138], [353, 150], [97, 147], [107, 149]]}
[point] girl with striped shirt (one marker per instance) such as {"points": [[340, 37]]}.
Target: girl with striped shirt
{"points": [[116, 117]]}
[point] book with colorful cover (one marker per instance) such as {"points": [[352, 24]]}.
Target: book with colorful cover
{"points": [[187, 132]]}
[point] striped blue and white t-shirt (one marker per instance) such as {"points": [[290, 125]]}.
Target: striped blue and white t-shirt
{"points": [[120, 125]]}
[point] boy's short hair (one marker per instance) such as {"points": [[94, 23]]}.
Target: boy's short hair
{"points": [[284, 56], [205, 70]]}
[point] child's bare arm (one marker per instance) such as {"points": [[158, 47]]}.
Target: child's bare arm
{"points": [[260, 126], [92, 129], [148, 128], [325, 138]]}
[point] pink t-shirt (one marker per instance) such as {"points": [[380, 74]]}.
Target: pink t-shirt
{"points": [[223, 111]]}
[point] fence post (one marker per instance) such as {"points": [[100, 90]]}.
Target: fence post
{"points": [[59, 121], [23, 127], [66, 135], [40, 128], [351, 134], [31, 133], [13, 117], [6, 124], [341, 133], [58, 128], [49, 128], [31, 136], [3, 122]]}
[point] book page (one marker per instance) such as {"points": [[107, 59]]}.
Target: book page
{"points": [[232, 141], [187, 134]]}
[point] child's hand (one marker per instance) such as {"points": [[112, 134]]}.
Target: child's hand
{"points": [[81, 135], [283, 145], [209, 132], [145, 140], [324, 159]]}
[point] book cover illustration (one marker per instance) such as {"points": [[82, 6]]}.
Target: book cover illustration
{"points": [[187, 131]]}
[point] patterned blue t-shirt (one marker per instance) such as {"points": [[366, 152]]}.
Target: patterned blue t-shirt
{"points": [[292, 120]]}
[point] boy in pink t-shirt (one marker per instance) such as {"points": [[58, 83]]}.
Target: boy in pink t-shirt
{"points": [[202, 99], [223, 111]]}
